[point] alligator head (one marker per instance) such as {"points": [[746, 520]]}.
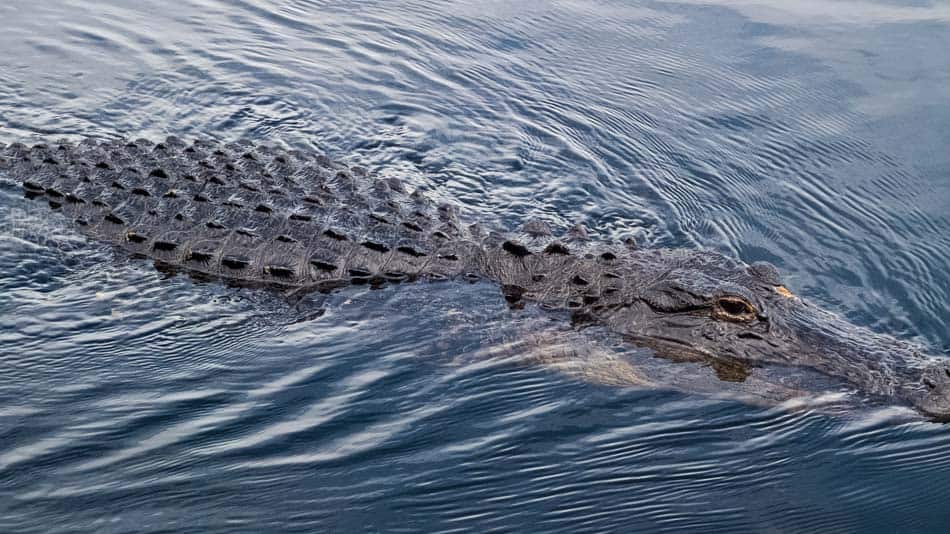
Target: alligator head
{"points": [[702, 305]]}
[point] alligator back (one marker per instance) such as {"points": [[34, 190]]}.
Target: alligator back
{"points": [[253, 214]]}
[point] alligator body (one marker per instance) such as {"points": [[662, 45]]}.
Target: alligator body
{"points": [[264, 215]]}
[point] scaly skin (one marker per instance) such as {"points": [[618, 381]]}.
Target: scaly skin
{"points": [[264, 215]]}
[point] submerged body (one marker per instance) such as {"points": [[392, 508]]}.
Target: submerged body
{"points": [[265, 215]]}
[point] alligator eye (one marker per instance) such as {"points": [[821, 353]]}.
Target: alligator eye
{"points": [[734, 309]]}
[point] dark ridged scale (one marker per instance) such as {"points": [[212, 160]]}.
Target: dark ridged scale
{"points": [[263, 214]]}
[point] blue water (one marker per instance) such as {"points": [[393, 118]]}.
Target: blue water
{"points": [[810, 134]]}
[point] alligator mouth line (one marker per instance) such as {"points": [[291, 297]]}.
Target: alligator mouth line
{"points": [[672, 348]]}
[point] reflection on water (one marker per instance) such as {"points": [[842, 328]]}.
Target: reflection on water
{"points": [[807, 134]]}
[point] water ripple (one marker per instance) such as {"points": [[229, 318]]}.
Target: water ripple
{"points": [[132, 400]]}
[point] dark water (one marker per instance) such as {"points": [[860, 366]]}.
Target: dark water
{"points": [[810, 134]]}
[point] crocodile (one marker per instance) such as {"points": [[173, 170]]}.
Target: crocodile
{"points": [[296, 220]]}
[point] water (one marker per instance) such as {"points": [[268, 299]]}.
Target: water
{"points": [[809, 134]]}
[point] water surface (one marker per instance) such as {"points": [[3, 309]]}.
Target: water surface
{"points": [[809, 134]]}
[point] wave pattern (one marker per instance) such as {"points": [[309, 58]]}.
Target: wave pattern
{"points": [[130, 400]]}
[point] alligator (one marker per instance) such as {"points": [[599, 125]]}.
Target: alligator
{"points": [[299, 221]]}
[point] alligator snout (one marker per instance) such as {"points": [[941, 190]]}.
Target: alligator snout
{"points": [[934, 396]]}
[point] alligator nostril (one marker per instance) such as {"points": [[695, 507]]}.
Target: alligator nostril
{"points": [[947, 372], [929, 383]]}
